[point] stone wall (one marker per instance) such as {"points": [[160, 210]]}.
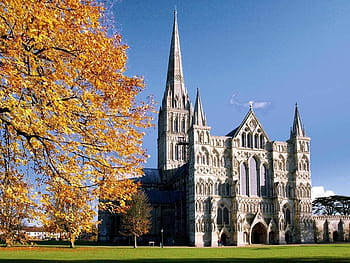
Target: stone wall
{"points": [[332, 228]]}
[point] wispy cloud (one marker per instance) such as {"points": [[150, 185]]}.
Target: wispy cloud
{"points": [[255, 104], [319, 191]]}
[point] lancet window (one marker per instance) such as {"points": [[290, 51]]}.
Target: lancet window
{"points": [[254, 179], [253, 140], [222, 215]]}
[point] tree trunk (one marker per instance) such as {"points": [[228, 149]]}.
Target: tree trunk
{"points": [[135, 241], [72, 242]]}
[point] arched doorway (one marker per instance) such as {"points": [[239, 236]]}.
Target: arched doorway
{"points": [[258, 234], [223, 239]]}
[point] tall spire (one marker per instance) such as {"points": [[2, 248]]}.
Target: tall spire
{"points": [[198, 116], [297, 129], [175, 79]]}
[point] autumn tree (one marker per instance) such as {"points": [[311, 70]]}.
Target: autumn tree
{"points": [[16, 201], [70, 112], [68, 210], [136, 221]]}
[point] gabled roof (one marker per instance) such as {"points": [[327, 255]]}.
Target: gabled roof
{"points": [[249, 120], [152, 176]]}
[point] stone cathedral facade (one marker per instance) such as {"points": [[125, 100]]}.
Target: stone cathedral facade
{"points": [[234, 189]]}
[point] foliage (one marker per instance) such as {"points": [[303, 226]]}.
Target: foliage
{"points": [[71, 115], [136, 220], [67, 210], [16, 202], [260, 254], [331, 205]]}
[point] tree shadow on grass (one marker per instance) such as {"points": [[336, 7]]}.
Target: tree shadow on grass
{"points": [[199, 260]]}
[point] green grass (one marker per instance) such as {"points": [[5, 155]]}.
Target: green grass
{"points": [[264, 254]]}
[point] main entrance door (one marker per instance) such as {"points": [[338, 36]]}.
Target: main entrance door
{"points": [[259, 234]]}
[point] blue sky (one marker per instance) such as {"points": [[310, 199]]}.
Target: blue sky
{"points": [[235, 51]]}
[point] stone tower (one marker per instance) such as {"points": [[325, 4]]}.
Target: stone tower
{"points": [[300, 180], [174, 114], [199, 205]]}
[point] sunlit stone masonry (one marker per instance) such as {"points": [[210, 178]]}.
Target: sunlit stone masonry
{"points": [[237, 189]]}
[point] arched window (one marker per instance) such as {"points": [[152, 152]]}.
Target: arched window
{"points": [[203, 159], [244, 142], [262, 141], [176, 152], [201, 137], [210, 188], [263, 181], [222, 162], [214, 161], [176, 125], [199, 159], [225, 216], [219, 220], [250, 140], [304, 164], [171, 151], [243, 179], [288, 219], [253, 177], [207, 137], [171, 124], [206, 154], [183, 125], [256, 141]]}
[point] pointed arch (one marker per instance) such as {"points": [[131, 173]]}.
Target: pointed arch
{"points": [[250, 140], [171, 151], [243, 179], [253, 177], [183, 125], [216, 158], [176, 124], [244, 139], [223, 214], [201, 137], [304, 164], [287, 215], [262, 141], [256, 141], [263, 180]]}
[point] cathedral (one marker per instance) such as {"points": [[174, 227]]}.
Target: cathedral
{"points": [[235, 189]]}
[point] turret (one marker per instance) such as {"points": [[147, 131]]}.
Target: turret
{"points": [[198, 114], [300, 179], [297, 129]]}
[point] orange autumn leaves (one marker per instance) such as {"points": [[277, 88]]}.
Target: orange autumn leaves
{"points": [[70, 113]]}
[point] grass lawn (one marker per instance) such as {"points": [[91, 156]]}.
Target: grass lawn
{"points": [[302, 253]]}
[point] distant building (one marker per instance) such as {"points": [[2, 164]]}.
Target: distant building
{"points": [[39, 233], [237, 189]]}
